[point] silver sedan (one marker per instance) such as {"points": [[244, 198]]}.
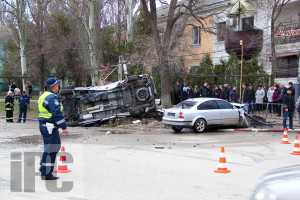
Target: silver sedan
{"points": [[199, 113]]}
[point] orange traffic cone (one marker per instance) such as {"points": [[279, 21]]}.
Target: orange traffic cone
{"points": [[285, 138], [222, 163], [62, 166], [296, 149]]}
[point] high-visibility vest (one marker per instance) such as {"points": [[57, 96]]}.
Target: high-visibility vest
{"points": [[43, 112]]}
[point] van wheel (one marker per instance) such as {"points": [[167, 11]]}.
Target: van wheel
{"points": [[200, 126], [177, 129]]}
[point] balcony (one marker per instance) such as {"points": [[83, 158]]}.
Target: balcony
{"points": [[252, 42]]}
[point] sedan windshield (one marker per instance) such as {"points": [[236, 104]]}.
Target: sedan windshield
{"points": [[186, 104]]}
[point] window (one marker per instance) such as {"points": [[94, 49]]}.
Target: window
{"points": [[208, 105], [186, 104], [248, 23], [196, 36], [221, 29], [287, 67], [224, 105]]}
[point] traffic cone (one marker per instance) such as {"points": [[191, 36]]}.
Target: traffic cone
{"points": [[285, 138], [222, 163], [62, 166], [296, 149]]}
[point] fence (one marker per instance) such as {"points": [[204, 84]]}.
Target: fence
{"points": [[272, 112]]}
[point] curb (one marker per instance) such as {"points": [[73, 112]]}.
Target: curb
{"points": [[259, 130]]}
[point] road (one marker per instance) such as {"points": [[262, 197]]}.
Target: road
{"points": [[148, 162]]}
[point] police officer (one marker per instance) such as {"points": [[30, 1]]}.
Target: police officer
{"points": [[23, 106], [9, 106], [50, 120]]}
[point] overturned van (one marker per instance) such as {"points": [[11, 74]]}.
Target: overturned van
{"points": [[133, 96]]}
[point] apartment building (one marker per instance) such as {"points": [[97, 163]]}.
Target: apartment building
{"points": [[287, 37]]}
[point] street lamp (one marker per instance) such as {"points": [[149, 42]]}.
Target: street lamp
{"points": [[241, 77]]}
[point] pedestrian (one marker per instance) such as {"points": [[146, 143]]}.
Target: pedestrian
{"points": [[292, 88], [226, 91], [233, 95], [298, 108], [12, 87], [259, 98], [186, 91], [178, 92], [270, 98], [196, 91], [288, 102], [17, 93], [204, 91], [250, 98], [218, 92], [24, 101], [50, 120], [29, 88], [276, 99], [9, 106]]}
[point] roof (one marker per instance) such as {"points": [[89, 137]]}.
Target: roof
{"points": [[202, 99]]}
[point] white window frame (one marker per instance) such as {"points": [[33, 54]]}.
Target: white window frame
{"points": [[198, 44]]}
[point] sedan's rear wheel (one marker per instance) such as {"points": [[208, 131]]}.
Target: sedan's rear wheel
{"points": [[177, 129], [200, 126]]}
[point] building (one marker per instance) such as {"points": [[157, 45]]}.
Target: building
{"points": [[196, 42], [287, 37]]}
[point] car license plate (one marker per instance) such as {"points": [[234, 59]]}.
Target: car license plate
{"points": [[171, 114]]}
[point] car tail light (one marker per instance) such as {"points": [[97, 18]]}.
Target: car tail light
{"points": [[181, 116]]}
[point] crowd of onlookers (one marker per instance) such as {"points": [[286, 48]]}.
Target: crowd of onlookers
{"points": [[278, 99], [22, 97]]}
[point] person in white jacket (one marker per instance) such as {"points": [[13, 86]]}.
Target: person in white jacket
{"points": [[270, 98], [259, 98]]}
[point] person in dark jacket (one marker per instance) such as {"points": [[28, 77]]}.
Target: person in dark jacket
{"points": [[226, 92], [9, 106], [292, 88], [233, 95], [276, 99], [24, 101], [288, 102], [218, 92], [204, 91], [13, 86], [178, 92]]}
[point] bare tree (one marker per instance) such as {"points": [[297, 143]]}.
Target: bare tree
{"points": [[164, 37], [38, 10], [85, 10], [275, 7], [17, 11]]}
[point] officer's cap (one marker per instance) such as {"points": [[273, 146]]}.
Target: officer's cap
{"points": [[51, 81]]}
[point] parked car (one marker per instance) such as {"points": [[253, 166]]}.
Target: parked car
{"points": [[279, 184], [200, 113]]}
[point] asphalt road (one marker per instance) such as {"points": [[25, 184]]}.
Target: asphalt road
{"points": [[147, 162]]}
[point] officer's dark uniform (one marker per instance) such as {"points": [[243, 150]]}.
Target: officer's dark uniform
{"points": [[50, 120], [9, 108], [23, 105]]}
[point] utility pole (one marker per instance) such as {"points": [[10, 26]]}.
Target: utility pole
{"points": [[120, 68], [129, 14], [241, 77]]}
